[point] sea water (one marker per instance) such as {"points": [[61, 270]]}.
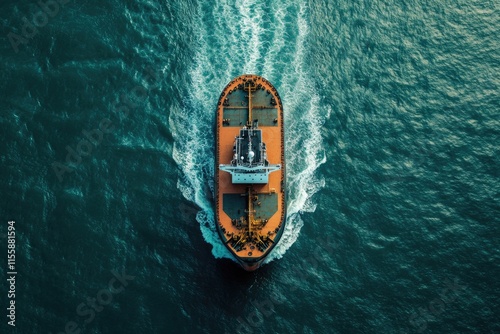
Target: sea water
{"points": [[391, 128]]}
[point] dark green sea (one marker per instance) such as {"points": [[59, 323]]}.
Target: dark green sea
{"points": [[392, 115]]}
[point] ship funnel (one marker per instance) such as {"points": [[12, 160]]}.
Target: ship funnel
{"points": [[251, 155]]}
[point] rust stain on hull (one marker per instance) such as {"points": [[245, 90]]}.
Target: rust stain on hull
{"points": [[250, 169]]}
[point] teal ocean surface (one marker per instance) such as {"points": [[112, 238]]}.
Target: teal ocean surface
{"points": [[392, 114]]}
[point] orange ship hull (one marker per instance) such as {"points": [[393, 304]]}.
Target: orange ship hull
{"points": [[250, 194]]}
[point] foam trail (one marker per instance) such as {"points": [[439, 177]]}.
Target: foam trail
{"points": [[278, 42], [250, 25], [231, 39]]}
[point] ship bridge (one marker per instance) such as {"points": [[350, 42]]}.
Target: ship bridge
{"points": [[249, 164]]}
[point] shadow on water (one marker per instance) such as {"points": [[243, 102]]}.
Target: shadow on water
{"points": [[232, 274]]}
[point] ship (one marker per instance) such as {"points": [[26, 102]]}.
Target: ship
{"points": [[250, 187]]}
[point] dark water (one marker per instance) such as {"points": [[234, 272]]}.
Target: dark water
{"points": [[392, 132]]}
